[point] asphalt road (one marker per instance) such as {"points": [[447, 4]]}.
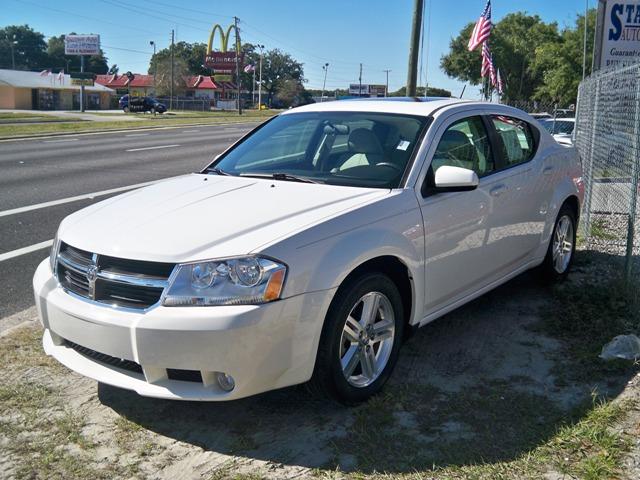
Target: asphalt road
{"points": [[39, 179]]}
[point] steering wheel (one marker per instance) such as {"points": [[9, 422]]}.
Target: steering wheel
{"points": [[390, 165]]}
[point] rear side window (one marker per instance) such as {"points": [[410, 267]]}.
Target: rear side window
{"points": [[517, 142]]}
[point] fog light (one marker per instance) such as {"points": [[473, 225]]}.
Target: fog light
{"points": [[226, 382]]}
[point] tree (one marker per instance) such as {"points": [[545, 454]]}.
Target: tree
{"points": [[560, 64], [279, 69], [71, 63], [191, 54], [163, 79], [431, 92], [29, 48], [514, 41]]}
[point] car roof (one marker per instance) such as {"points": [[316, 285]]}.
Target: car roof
{"points": [[405, 106], [559, 119]]}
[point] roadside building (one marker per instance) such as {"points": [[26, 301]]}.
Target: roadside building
{"points": [[141, 85], [48, 91]]}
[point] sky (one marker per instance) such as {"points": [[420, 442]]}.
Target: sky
{"points": [[343, 33]]}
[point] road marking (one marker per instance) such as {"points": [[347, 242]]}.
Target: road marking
{"points": [[60, 141], [151, 148], [137, 135], [25, 250], [52, 203], [191, 131]]}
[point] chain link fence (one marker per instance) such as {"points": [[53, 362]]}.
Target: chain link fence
{"points": [[191, 104], [607, 135]]}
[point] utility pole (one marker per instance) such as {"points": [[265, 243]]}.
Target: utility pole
{"points": [[238, 48], [360, 82], [414, 48], [82, 84], [386, 89], [584, 47], [325, 67], [261, 47], [173, 37], [155, 68]]}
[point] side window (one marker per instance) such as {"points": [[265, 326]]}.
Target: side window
{"points": [[465, 144], [516, 138]]}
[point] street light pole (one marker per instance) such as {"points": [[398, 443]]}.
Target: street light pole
{"points": [[171, 86], [261, 47], [360, 82], [13, 56], [325, 67], [155, 66], [238, 48]]}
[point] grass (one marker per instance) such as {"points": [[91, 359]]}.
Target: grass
{"points": [[587, 315], [147, 121], [599, 231]]}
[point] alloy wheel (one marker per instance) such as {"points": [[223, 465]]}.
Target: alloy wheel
{"points": [[367, 339], [563, 239]]}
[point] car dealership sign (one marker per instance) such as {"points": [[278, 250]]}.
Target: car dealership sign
{"points": [[619, 32], [82, 44]]}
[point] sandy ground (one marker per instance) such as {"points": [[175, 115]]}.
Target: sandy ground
{"points": [[479, 385]]}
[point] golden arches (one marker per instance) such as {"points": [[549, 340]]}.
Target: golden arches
{"points": [[224, 37]]}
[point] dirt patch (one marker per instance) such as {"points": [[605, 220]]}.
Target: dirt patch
{"points": [[485, 392]]}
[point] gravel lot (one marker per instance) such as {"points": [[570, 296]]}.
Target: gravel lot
{"points": [[485, 392]]}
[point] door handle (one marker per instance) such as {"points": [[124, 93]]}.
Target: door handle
{"points": [[547, 170], [498, 190]]}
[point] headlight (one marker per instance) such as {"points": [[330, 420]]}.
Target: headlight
{"points": [[53, 255], [233, 281]]}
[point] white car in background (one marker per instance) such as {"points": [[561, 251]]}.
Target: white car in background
{"points": [[308, 250], [561, 129]]}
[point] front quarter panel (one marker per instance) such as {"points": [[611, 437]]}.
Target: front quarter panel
{"points": [[321, 257]]}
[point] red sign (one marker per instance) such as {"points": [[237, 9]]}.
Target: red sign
{"points": [[220, 61]]}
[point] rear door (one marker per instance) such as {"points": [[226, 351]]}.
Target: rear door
{"points": [[525, 190]]}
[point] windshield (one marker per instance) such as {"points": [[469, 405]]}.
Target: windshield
{"points": [[340, 148], [561, 126]]}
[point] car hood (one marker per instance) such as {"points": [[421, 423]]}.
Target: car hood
{"points": [[199, 216]]}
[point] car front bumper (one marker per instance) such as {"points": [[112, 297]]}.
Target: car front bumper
{"points": [[263, 347]]}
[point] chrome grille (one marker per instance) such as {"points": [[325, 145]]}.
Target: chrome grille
{"points": [[110, 280]]}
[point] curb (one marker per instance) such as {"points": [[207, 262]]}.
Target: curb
{"points": [[120, 130]]}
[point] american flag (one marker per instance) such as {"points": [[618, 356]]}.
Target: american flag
{"points": [[482, 30], [249, 68], [487, 65]]}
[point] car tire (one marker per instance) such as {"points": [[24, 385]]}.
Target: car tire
{"points": [[562, 247], [153, 111], [361, 339], [126, 109]]}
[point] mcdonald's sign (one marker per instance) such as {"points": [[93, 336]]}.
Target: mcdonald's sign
{"points": [[223, 61]]}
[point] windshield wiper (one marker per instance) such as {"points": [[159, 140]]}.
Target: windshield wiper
{"points": [[279, 176], [219, 171]]}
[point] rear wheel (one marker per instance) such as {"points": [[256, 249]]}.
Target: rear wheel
{"points": [[126, 109], [361, 339], [562, 246]]}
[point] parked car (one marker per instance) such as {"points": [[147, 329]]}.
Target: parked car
{"points": [[141, 104], [561, 129], [309, 249]]}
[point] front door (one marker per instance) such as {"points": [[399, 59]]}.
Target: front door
{"points": [[459, 255]]}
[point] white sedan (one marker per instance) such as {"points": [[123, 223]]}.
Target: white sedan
{"points": [[308, 250]]}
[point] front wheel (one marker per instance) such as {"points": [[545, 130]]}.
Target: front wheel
{"points": [[361, 339], [562, 246]]}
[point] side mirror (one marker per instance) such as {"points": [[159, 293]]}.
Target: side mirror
{"points": [[455, 179]]}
